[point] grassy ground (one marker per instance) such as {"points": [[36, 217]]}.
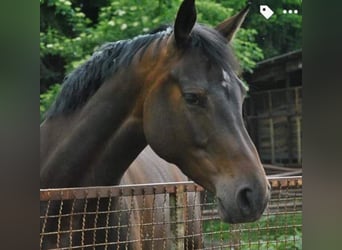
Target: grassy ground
{"points": [[272, 232]]}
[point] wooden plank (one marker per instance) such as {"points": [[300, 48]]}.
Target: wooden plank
{"points": [[288, 121], [178, 203], [173, 218], [299, 127], [271, 128]]}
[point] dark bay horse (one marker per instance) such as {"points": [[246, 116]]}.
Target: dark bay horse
{"points": [[175, 90], [152, 223]]}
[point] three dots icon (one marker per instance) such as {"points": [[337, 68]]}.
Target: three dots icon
{"points": [[290, 12]]}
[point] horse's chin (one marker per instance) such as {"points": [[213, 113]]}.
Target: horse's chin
{"points": [[231, 217]]}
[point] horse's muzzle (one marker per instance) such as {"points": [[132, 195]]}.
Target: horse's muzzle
{"points": [[246, 204]]}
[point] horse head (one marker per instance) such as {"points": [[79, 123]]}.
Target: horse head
{"points": [[192, 115]]}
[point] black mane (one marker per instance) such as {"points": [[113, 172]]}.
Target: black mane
{"points": [[84, 81]]}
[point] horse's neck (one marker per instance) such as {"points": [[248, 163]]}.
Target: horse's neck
{"points": [[95, 145]]}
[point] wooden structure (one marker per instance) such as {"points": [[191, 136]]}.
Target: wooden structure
{"points": [[273, 111]]}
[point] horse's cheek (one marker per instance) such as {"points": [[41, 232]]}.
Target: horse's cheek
{"points": [[160, 125]]}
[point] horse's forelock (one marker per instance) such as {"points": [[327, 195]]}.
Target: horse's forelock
{"points": [[215, 47]]}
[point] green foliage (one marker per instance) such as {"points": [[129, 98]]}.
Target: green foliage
{"points": [[278, 35], [247, 50], [65, 36], [47, 98], [282, 32], [211, 13], [270, 232]]}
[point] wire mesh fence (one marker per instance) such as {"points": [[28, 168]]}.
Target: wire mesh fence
{"points": [[164, 216]]}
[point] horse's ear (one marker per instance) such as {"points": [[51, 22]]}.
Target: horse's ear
{"points": [[185, 21], [230, 26]]}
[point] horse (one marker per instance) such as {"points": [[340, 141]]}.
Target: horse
{"points": [[175, 90], [150, 220]]}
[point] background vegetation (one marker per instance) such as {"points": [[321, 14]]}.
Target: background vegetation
{"points": [[71, 30], [271, 232]]}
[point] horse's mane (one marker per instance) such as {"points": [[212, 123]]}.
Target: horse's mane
{"points": [[85, 80]]}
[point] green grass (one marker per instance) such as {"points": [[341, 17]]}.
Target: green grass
{"points": [[273, 232]]}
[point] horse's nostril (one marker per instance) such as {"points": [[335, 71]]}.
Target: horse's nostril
{"points": [[245, 200]]}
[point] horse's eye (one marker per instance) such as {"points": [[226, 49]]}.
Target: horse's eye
{"points": [[194, 98]]}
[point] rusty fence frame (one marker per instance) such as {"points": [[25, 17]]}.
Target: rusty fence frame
{"points": [[145, 189], [175, 190]]}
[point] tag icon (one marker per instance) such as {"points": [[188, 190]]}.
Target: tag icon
{"points": [[266, 11]]}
